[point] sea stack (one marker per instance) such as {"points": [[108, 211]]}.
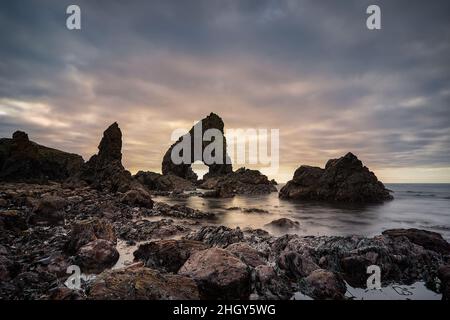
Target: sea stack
{"points": [[184, 170], [104, 171], [343, 180]]}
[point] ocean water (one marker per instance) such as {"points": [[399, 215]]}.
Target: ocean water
{"points": [[422, 206]]}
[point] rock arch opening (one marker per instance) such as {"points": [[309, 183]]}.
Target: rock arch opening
{"points": [[184, 169]]}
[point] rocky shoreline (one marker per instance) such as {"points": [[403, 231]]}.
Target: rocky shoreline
{"points": [[179, 255]]}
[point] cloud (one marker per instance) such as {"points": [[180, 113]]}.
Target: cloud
{"points": [[308, 68]]}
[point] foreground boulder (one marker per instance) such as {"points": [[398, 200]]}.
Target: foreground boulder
{"points": [[137, 198], [97, 256], [283, 223], [167, 255], [142, 284], [22, 160], [218, 274], [343, 180], [85, 231]]}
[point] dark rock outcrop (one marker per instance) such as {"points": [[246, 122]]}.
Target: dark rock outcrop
{"points": [[22, 160], [343, 180], [242, 181], [158, 182], [284, 223], [218, 274], [184, 170], [427, 239], [217, 236]]}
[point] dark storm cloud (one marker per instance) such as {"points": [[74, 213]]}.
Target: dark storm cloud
{"points": [[310, 68]]}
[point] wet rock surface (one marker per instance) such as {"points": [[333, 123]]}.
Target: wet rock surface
{"points": [[167, 255], [343, 180], [181, 211], [217, 236], [142, 284], [165, 183], [444, 277], [218, 274], [242, 181]]}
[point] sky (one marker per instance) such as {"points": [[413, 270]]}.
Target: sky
{"points": [[308, 68]]}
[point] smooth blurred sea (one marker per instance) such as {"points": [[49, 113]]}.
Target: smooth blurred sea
{"points": [[422, 206]]}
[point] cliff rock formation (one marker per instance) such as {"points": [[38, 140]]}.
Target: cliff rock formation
{"points": [[22, 160]]}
